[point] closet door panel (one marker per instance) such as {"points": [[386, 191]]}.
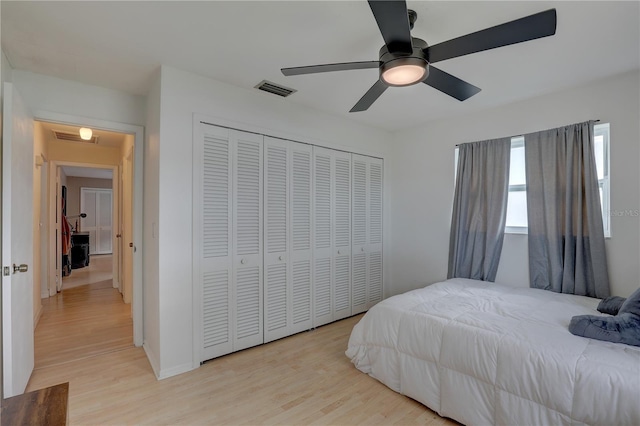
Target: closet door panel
{"points": [[276, 202], [374, 248], [322, 238], [375, 201], [300, 156], [359, 286], [367, 204], [216, 314], [342, 235], [213, 187], [247, 241], [359, 235]]}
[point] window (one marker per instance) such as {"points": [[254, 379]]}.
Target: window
{"points": [[517, 201], [601, 148]]}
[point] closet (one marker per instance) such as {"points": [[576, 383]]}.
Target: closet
{"points": [[287, 237], [96, 203]]}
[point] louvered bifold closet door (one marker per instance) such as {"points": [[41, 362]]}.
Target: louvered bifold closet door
{"points": [[323, 175], [374, 248], [367, 175], [212, 237], [247, 240], [359, 234], [300, 156], [342, 235], [277, 302]]}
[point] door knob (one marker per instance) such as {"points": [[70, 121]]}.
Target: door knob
{"points": [[20, 268], [118, 235], [280, 257], [362, 249]]}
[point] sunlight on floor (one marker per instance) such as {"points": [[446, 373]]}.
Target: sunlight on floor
{"points": [[99, 269]]}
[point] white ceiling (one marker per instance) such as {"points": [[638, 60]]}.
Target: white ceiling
{"points": [[120, 44], [87, 172]]}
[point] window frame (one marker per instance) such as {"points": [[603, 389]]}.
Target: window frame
{"points": [[516, 142], [604, 129]]}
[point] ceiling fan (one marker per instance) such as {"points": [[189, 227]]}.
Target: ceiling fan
{"points": [[406, 60]]}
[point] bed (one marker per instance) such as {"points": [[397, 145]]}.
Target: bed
{"points": [[482, 353]]}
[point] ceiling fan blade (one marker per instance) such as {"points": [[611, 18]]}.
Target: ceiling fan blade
{"points": [[450, 85], [312, 69], [370, 97], [531, 27], [393, 20]]}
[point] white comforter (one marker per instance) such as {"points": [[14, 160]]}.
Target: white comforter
{"points": [[482, 353]]}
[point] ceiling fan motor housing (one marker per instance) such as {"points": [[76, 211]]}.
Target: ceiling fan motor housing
{"points": [[417, 57]]}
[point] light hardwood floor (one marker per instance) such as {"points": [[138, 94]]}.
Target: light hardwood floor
{"points": [[100, 269], [302, 379], [82, 322]]}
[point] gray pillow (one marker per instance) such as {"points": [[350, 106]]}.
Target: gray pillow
{"points": [[611, 305], [622, 328], [632, 304]]}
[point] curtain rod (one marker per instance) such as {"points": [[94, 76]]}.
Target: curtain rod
{"points": [[595, 121]]}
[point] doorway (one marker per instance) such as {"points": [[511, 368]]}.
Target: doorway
{"points": [[85, 283], [87, 194]]}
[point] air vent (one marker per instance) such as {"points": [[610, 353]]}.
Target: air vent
{"points": [[276, 89], [72, 137]]}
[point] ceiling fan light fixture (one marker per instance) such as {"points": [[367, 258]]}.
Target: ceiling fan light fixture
{"points": [[85, 133], [404, 71]]}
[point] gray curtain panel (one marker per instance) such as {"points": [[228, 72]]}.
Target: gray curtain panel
{"points": [[479, 209], [566, 237]]}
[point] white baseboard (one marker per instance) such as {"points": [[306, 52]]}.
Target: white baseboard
{"points": [[155, 364], [169, 372], [174, 371]]}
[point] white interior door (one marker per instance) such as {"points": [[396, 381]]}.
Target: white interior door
{"points": [[359, 234], [342, 236], [323, 207], [301, 259], [97, 204], [277, 280], [247, 240], [17, 243], [213, 222]]}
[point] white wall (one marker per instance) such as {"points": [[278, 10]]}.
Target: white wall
{"points": [[182, 95], [420, 173], [44, 93], [150, 256]]}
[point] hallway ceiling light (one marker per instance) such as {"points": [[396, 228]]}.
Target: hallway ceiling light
{"points": [[85, 133]]}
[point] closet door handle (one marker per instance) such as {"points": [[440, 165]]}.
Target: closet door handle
{"points": [[243, 261], [280, 258], [361, 248], [339, 252]]}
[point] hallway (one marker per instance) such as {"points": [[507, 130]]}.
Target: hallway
{"points": [[81, 322]]}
